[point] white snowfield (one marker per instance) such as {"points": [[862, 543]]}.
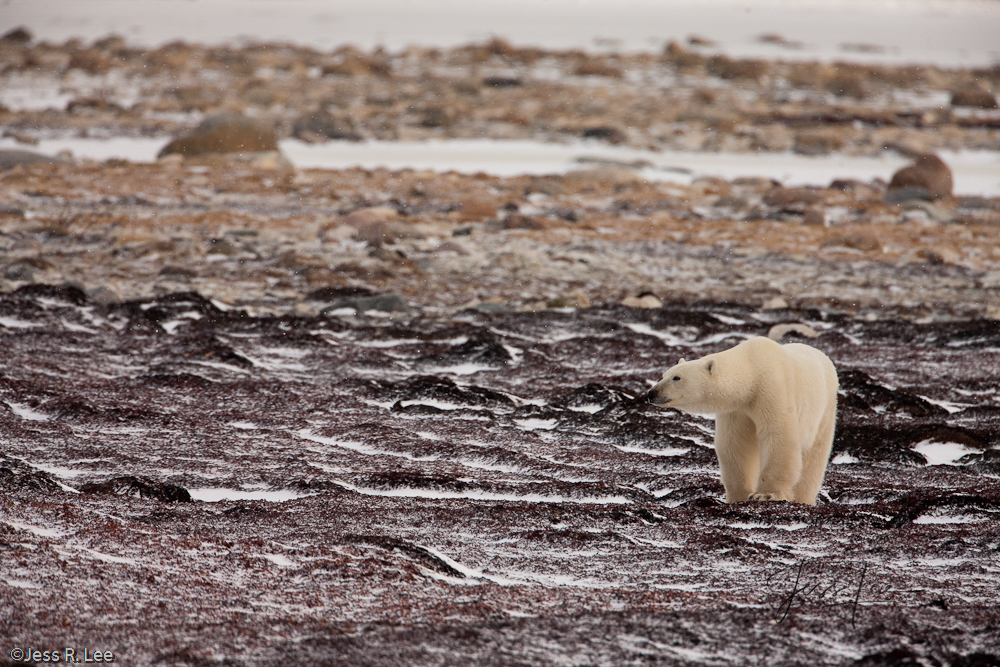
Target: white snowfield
{"points": [[975, 172], [944, 32]]}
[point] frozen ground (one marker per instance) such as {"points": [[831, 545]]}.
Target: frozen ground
{"points": [[355, 500], [975, 172], [943, 32]]}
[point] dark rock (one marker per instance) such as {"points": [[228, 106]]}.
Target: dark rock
{"points": [[610, 134], [928, 172], [786, 196], [19, 35], [179, 272], [389, 303], [224, 133], [501, 82], [139, 487], [976, 98], [11, 157], [20, 272], [338, 293], [69, 293], [323, 126]]}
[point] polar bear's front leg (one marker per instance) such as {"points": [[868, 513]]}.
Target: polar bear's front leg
{"points": [[738, 453], [780, 461]]}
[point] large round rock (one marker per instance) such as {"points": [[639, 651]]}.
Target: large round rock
{"points": [[927, 178], [225, 133]]}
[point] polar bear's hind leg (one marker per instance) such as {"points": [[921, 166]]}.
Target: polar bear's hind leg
{"points": [[815, 461]]}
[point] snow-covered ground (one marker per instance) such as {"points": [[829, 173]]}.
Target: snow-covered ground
{"points": [[944, 32], [976, 172]]}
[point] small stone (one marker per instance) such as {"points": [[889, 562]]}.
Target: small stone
{"points": [[610, 134], [817, 142], [103, 296], [388, 303], [788, 196], [178, 272], [645, 301], [376, 234], [477, 209], [775, 303], [492, 308], [865, 241], [814, 217], [223, 247], [363, 216], [452, 246], [779, 331], [940, 255], [578, 299], [19, 271], [520, 221], [324, 126], [929, 172]]}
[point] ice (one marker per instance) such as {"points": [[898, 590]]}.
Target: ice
{"points": [[942, 453], [843, 458], [975, 172], [218, 494], [27, 413], [20, 583]]}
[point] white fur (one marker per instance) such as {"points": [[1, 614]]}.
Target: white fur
{"points": [[775, 407]]}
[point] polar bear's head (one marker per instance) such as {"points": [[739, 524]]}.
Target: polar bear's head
{"points": [[690, 386]]}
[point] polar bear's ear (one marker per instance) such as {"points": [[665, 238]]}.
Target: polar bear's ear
{"points": [[681, 361], [709, 366]]}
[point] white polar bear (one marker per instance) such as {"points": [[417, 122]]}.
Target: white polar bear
{"points": [[775, 407]]}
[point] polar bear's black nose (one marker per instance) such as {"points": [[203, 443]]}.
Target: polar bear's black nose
{"points": [[651, 396]]}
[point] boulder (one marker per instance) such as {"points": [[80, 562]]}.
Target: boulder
{"points": [[977, 98], [928, 172], [225, 133], [14, 156]]}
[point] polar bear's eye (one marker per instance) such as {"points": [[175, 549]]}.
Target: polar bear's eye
{"points": [[676, 378]]}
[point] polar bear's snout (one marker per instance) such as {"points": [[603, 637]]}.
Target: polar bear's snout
{"points": [[655, 397]]}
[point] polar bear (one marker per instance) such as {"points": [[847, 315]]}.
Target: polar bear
{"points": [[775, 407]]}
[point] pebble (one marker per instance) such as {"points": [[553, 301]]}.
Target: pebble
{"points": [[814, 217], [787, 196]]}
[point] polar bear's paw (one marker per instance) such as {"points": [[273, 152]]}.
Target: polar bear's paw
{"points": [[766, 496]]}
